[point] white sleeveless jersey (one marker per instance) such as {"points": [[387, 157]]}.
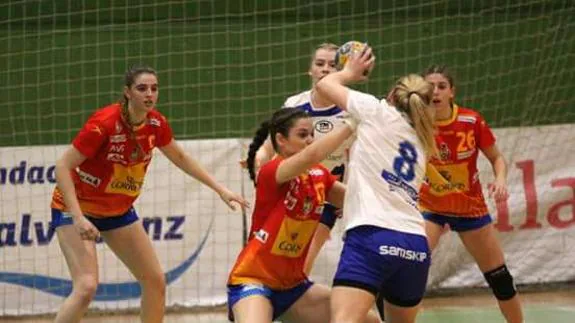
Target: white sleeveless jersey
{"points": [[324, 120], [386, 168]]}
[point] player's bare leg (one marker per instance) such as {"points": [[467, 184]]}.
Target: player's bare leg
{"points": [[433, 231], [484, 246], [255, 308], [82, 262], [132, 245], [352, 305]]}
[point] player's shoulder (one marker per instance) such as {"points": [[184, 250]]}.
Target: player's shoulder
{"points": [[468, 115], [107, 116], [297, 99], [269, 166]]}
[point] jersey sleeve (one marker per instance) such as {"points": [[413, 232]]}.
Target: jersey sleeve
{"points": [[267, 175], [292, 101], [485, 136], [90, 138], [361, 105], [165, 133]]}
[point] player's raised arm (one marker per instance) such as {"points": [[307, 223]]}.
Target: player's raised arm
{"points": [[333, 86], [312, 154]]}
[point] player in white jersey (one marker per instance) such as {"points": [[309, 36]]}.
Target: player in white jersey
{"points": [[385, 249], [325, 118]]}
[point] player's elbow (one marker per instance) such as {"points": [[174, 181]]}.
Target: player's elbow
{"points": [[322, 86], [64, 164]]}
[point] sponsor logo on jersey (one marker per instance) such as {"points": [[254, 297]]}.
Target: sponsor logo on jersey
{"points": [[261, 235], [116, 158], [127, 180], [293, 237], [117, 148], [307, 205], [467, 119], [444, 152], [324, 126], [154, 122], [315, 172], [466, 154], [445, 179], [118, 138], [89, 179]]}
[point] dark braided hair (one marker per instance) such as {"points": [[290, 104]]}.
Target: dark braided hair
{"points": [[129, 78], [281, 122]]}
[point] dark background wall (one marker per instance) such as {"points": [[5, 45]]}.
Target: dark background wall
{"points": [[225, 65]]}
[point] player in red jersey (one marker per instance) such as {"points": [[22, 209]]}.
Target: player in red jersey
{"points": [[323, 115], [98, 179], [453, 196], [268, 278]]}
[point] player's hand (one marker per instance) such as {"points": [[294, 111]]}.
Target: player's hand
{"points": [[244, 164], [498, 190], [360, 65], [230, 198], [86, 229]]}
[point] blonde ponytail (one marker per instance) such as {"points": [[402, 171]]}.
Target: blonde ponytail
{"points": [[412, 95]]}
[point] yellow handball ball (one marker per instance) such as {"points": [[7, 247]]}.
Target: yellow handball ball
{"points": [[344, 52]]}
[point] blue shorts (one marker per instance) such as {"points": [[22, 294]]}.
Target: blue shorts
{"points": [[60, 218], [457, 223], [389, 262], [281, 299], [328, 216]]}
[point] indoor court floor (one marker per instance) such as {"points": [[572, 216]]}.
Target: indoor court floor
{"points": [[539, 307]]}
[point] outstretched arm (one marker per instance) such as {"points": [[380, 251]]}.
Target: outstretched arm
{"points": [[190, 166]]}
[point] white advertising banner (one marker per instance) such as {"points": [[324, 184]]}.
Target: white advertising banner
{"points": [[195, 235], [197, 238]]}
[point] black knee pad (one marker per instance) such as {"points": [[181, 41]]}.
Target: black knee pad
{"points": [[501, 283]]}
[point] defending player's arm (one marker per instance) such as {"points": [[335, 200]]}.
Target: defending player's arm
{"points": [[336, 194], [498, 189], [85, 145], [190, 166], [485, 141], [69, 161], [312, 154]]}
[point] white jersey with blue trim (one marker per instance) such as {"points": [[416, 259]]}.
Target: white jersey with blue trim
{"points": [[324, 120], [386, 168]]}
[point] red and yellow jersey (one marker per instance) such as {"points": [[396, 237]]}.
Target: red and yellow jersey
{"points": [[452, 187], [110, 179], [284, 221]]}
